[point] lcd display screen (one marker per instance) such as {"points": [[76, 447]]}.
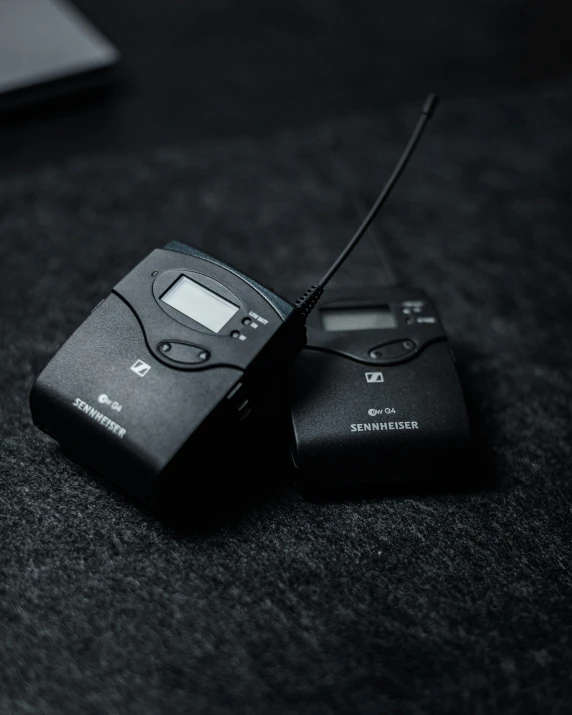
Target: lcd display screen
{"points": [[200, 304], [337, 319]]}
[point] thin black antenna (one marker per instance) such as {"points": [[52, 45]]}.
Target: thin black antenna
{"points": [[359, 205], [311, 297]]}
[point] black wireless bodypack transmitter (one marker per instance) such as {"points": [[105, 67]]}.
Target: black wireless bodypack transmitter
{"points": [[375, 400], [150, 388], [176, 354], [375, 395]]}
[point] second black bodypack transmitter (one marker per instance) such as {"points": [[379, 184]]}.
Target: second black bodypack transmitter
{"points": [[375, 395], [375, 399], [150, 389]]}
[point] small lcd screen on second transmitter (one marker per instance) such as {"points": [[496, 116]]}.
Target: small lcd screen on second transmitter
{"points": [[337, 319], [200, 304]]}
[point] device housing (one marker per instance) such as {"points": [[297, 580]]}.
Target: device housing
{"points": [[375, 394], [152, 398]]}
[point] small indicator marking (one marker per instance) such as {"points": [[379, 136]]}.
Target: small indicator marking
{"points": [[374, 376], [140, 368], [260, 319], [105, 400]]}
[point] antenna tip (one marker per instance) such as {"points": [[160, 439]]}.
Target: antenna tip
{"points": [[430, 105]]}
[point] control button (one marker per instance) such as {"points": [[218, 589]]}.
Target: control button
{"points": [[184, 353], [244, 409], [246, 321], [235, 334], [392, 351], [239, 402], [234, 390]]}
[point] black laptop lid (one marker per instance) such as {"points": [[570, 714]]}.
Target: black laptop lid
{"points": [[47, 43]]}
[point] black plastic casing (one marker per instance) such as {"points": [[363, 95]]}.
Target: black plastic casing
{"points": [[373, 406], [150, 398]]}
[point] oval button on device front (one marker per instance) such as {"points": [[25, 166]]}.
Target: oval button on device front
{"points": [[393, 351], [183, 352]]}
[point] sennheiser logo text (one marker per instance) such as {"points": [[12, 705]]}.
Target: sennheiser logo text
{"points": [[382, 426], [99, 417]]}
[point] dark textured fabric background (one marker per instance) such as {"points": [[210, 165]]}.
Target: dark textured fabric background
{"points": [[456, 601]]}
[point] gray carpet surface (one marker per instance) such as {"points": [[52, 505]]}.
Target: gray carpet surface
{"points": [[446, 602]]}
